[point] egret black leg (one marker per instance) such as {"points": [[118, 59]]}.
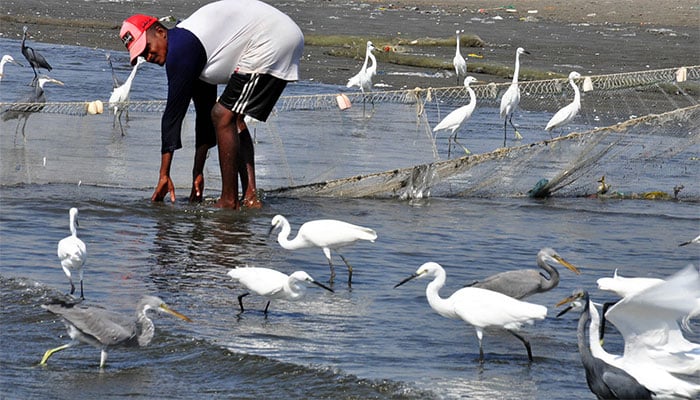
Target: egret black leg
{"points": [[240, 300], [525, 342], [266, 307], [505, 131], [82, 296], [330, 264], [349, 269]]}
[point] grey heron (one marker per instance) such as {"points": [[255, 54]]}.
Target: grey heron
{"points": [[456, 118], [525, 282], [480, 308], [72, 252], [272, 284], [31, 103], [104, 329], [7, 59], [569, 112], [326, 234], [606, 381], [34, 58], [511, 98], [459, 62]]}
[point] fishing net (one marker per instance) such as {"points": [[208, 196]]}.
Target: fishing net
{"points": [[639, 130]]}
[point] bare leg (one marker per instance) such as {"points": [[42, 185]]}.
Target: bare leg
{"points": [[200, 157], [50, 352], [525, 342], [246, 166], [229, 144]]}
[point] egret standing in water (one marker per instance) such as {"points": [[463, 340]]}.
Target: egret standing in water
{"points": [[459, 62], [567, 113], [103, 329], [25, 109], [73, 253], [326, 234], [363, 79], [525, 282], [34, 58], [272, 284], [7, 59], [456, 118], [511, 98], [120, 94], [605, 380], [480, 308]]}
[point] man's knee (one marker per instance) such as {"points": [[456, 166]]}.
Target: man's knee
{"points": [[220, 115]]}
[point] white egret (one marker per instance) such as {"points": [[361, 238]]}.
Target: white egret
{"points": [[103, 329], [73, 253], [272, 284], [35, 59], [525, 282], [624, 287], [567, 113], [363, 79], [326, 234], [456, 118], [7, 59], [480, 308], [37, 96], [511, 98], [696, 240], [120, 94], [604, 379], [459, 62]]}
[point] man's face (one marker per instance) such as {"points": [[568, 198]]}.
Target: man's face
{"points": [[156, 46]]}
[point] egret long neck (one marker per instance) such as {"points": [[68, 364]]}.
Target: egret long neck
{"points": [[283, 239], [577, 93], [594, 335], [73, 230], [472, 97], [437, 303], [517, 68], [457, 49]]}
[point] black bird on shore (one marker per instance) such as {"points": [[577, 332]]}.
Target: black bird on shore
{"points": [[35, 59]]}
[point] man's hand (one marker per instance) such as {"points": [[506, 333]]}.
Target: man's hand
{"points": [[165, 186], [197, 189]]}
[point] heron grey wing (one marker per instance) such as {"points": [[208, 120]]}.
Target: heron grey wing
{"points": [[624, 386], [108, 327], [517, 284]]}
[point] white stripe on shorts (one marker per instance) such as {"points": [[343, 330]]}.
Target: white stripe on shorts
{"points": [[240, 105]]}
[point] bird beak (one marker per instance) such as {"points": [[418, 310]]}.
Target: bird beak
{"points": [[406, 280], [323, 286], [17, 62], [56, 81], [567, 264], [272, 228], [172, 312], [566, 300], [527, 52], [566, 310]]}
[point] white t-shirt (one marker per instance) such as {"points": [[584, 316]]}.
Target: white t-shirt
{"points": [[247, 35]]}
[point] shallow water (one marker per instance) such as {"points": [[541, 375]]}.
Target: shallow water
{"points": [[371, 341]]}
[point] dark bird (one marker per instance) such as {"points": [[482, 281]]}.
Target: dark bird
{"points": [[604, 380], [103, 329], [525, 282], [35, 59], [31, 103]]}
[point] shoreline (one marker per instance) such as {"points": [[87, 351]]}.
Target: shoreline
{"points": [[592, 37]]}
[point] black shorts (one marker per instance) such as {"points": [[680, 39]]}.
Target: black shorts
{"points": [[252, 94]]}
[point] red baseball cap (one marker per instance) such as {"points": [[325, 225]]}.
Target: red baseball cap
{"points": [[133, 34]]}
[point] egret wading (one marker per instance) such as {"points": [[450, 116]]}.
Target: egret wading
{"points": [[363, 79], [31, 103], [454, 120], [654, 347], [569, 112], [272, 284], [326, 234], [120, 95], [605, 380], [73, 253], [525, 282], [34, 58], [511, 98], [104, 329], [5, 60], [480, 308], [459, 62]]}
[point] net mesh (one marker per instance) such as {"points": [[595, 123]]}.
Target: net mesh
{"points": [[638, 129]]}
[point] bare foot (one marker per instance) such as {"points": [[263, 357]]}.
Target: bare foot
{"points": [[227, 204], [252, 203], [197, 192]]}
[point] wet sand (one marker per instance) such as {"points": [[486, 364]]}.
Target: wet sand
{"points": [[592, 37]]}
